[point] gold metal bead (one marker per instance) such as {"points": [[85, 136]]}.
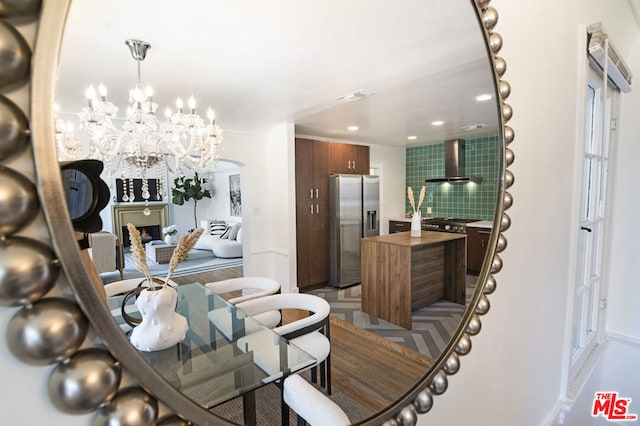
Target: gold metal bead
{"points": [[28, 270], [15, 57], [50, 330], [18, 201], [80, 385]]}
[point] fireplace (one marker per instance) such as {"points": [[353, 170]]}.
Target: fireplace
{"points": [[151, 218], [148, 233]]}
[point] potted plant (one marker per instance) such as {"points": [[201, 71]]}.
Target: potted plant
{"points": [[189, 189], [170, 234]]}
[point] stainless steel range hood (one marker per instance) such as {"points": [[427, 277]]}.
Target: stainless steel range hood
{"points": [[454, 164]]}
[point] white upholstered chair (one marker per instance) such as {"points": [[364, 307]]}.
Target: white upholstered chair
{"points": [[104, 248], [311, 333], [312, 405], [251, 288]]}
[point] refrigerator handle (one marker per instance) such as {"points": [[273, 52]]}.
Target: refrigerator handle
{"points": [[311, 205], [317, 208], [372, 223], [311, 193], [316, 192]]}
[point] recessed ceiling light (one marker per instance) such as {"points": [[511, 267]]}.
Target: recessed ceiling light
{"points": [[484, 97], [412, 138], [437, 123], [352, 128]]}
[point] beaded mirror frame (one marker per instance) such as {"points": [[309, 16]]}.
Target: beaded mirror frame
{"points": [[44, 273]]}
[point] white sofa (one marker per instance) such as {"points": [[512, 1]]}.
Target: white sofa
{"points": [[224, 239]]}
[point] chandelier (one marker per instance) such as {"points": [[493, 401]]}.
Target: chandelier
{"points": [[142, 146]]}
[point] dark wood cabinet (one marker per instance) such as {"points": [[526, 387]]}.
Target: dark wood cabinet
{"points": [[315, 160], [399, 226], [348, 159], [312, 212], [477, 244]]}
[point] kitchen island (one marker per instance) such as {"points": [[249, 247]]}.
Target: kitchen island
{"points": [[401, 273]]}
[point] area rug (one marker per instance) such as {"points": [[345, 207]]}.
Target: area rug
{"points": [[197, 262]]}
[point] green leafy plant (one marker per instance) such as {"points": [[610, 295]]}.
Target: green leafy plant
{"points": [[189, 189]]}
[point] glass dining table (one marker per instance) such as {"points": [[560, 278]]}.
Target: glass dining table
{"points": [[226, 354]]}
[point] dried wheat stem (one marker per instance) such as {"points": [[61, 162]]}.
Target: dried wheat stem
{"points": [[139, 255], [421, 197], [410, 194], [185, 244]]}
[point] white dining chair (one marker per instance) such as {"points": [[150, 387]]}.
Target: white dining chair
{"points": [[310, 404], [311, 333], [251, 288]]}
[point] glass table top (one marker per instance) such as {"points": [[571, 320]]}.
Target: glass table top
{"points": [[225, 353]]}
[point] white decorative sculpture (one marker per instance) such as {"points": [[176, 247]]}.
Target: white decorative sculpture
{"points": [[161, 327]]}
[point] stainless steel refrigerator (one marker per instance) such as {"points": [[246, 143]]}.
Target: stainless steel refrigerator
{"points": [[353, 213]]}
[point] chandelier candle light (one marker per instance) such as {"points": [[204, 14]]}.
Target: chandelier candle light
{"points": [[146, 146], [416, 227]]}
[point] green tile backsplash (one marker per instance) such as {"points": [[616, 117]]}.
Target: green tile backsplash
{"points": [[460, 200]]}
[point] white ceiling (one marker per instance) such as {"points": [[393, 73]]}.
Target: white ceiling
{"points": [[257, 63]]}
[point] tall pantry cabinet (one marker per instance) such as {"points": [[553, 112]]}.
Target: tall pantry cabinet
{"points": [[312, 212], [315, 160]]}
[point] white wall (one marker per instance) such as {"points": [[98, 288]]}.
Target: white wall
{"points": [[278, 189], [624, 273], [390, 161], [514, 374], [220, 205]]}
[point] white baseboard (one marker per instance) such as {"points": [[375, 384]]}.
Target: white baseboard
{"points": [[270, 251], [623, 338]]}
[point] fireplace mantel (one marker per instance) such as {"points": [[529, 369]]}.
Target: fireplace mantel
{"points": [[134, 213]]}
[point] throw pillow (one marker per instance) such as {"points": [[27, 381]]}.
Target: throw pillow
{"points": [[218, 227], [226, 233], [239, 236], [234, 231]]}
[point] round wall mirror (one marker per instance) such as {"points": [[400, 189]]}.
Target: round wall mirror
{"points": [[311, 120]]}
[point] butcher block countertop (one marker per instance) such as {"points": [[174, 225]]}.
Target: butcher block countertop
{"points": [[426, 238]]}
